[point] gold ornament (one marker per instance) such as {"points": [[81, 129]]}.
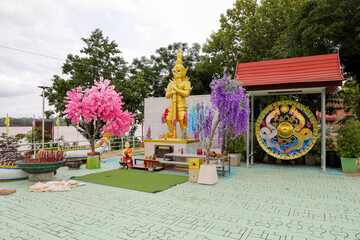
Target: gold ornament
{"points": [[286, 130]]}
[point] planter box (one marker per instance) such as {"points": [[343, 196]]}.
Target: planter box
{"points": [[332, 160], [348, 165], [93, 160], [235, 159], [310, 159]]}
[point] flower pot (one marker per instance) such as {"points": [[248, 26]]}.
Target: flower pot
{"points": [[93, 160], [36, 168], [39, 172], [74, 164], [348, 165]]}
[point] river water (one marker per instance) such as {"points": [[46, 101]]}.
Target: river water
{"points": [[70, 134]]}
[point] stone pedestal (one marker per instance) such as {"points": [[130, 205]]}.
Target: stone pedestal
{"points": [[208, 174], [40, 177]]}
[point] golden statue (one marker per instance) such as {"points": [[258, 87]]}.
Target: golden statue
{"points": [[178, 89]]}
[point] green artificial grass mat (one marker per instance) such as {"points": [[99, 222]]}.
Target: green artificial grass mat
{"points": [[135, 180]]}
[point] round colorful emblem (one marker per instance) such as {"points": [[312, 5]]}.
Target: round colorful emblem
{"points": [[286, 130]]}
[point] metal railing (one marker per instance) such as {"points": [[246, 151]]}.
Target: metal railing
{"points": [[115, 143]]}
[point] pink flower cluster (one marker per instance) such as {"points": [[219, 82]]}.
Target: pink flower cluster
{"points": [[99, 103]]}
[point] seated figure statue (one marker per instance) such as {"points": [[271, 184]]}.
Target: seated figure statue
{"points": [[127, 157]]}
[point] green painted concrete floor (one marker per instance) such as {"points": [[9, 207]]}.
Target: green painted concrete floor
{"points": [[254, 203]]}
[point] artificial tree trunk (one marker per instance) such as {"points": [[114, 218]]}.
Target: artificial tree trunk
{"points": [[93, 158], [208, 173], [209, 144]]}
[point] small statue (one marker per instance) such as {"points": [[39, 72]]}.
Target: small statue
{"points": [[127, 157], [184, 135], [148, 134]]}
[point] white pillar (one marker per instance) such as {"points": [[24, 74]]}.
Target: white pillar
{"points": [[43, 121], [323, 131], [247, 144], [252, 130]]}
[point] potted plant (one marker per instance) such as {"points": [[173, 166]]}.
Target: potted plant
{"points": [[348, 145], [100, 106], [236, 148]]}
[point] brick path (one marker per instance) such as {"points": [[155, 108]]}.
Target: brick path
{"points": [[255, 203]]}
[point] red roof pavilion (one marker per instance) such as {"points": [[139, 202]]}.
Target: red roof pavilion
{"points": [[314, 72], [302, 75]]}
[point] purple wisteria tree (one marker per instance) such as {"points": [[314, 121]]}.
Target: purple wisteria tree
{"points": [[231, 106]]}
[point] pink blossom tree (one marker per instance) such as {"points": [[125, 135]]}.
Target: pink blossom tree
{"points": [[101, 103]]}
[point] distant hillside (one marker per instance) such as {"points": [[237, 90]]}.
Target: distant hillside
{"points": [[19, 122]]}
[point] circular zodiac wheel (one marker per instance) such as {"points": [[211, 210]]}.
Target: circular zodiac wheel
{"points": [[286, 130]]}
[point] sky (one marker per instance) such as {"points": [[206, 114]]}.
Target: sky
{"points": [[55, 28]]}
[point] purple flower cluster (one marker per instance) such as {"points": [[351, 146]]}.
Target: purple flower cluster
{"points": [[228, 97]]}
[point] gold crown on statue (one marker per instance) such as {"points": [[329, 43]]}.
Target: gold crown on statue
{"points": [[178, 66]]}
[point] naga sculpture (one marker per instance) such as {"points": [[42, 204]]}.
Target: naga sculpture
{"points": [[178, 90], [80, 153]]}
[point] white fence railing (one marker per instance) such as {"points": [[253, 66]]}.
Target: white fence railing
{"points": [[115, 144]]}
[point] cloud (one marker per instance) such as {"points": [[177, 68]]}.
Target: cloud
{"points": [[55, 28], [13, 87], [96, 5], [146, 31]]}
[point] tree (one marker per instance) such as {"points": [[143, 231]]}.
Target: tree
{"points": [[35, 137], [135, 90], [231, 104], [327, 26], [99, 104], [249, 31], [157, 69], [11, 140], [350, 94], [99, 57]]}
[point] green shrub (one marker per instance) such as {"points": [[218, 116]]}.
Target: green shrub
{"points": [[348, 141], [237, 145]]}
